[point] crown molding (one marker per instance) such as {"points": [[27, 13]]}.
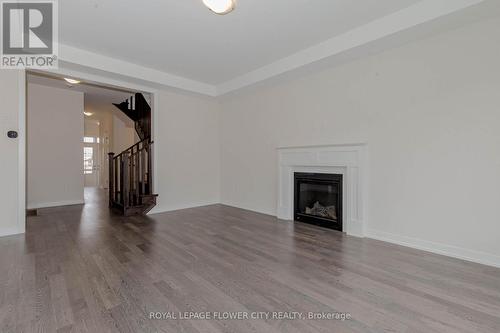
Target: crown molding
{"points": [[80, 57], [412, 16], [419, 13]]}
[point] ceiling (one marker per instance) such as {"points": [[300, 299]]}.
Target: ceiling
{"points": [[96, 97], [180, 43], [184, 38]]}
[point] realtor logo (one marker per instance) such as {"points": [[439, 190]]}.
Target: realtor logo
{"points": [[29, 33]]}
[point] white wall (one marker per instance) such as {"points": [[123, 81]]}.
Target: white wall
{"points": [[124, 134], [187, 149], [55, 146], [11, 221], [430, 113]]}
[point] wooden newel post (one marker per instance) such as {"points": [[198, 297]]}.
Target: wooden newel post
{"points": [[111, 179], [126, 179]]}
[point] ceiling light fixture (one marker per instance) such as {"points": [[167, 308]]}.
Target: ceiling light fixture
{"points": [[71, 81], [88, 114], [220, 7]]}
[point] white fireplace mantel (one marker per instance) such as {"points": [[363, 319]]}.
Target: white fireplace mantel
{"points": [[347, 159]]}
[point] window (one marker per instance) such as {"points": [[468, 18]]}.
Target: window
{"points": [[88, 160], [89, 139]]}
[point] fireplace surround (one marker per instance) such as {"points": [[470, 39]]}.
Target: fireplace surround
{"points": [[348, 160]]}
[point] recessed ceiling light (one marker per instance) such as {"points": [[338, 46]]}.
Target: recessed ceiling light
{"points": [[220, 7], [88, 114], [71, 81]]}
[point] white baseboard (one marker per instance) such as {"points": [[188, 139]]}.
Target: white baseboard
{"points": [[438, 248], [10, 232], [55, 204], [419, 244], [160, 209], [255, 210], [415, 243]]}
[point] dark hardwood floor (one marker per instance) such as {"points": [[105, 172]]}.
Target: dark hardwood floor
{"points": [[82, 269]]}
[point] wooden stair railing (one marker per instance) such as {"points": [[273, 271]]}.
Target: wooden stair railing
{"points": [[130, 179], [130, 172], [138, 109]]}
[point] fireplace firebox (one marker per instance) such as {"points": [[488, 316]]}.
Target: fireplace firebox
{"points": [[318, 199]]}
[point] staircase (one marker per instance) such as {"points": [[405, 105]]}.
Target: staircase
{"points": [[130, 172]]}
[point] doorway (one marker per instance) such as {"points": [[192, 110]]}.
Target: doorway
{"points": [[85, 129], [91, 156]]}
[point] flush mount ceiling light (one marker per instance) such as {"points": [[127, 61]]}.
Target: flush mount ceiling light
{"points": [[88, 114], [220, 7], [71, 81]]}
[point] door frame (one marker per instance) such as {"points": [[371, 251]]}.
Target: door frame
{"points": [[22, 172], [83, 76], [95, 171], [99, 158]]}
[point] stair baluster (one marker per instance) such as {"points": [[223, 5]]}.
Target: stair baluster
{"points": [[130, 188]]}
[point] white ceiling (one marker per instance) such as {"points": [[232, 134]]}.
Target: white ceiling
{"points": [[184, 38], [180, 43], [96, 97]]}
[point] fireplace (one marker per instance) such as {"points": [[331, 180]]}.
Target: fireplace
{"points": [[318, 199]]}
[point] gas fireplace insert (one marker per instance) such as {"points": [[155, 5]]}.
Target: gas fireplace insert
{"points": [[318, 199]]}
